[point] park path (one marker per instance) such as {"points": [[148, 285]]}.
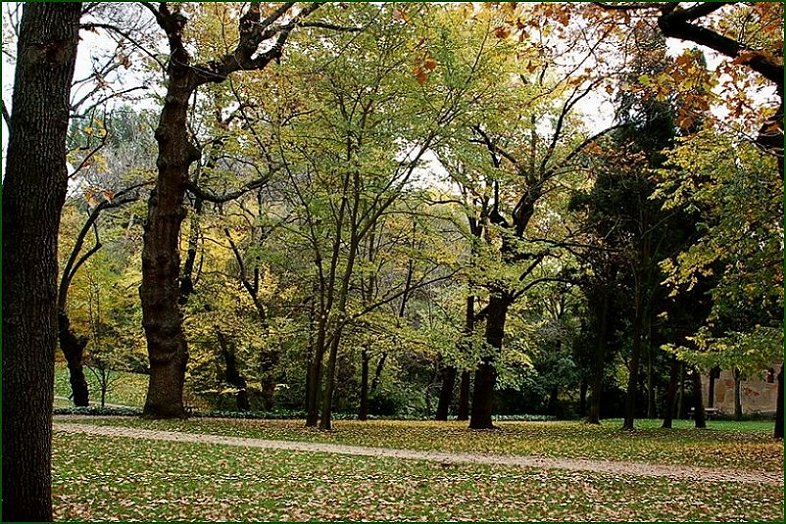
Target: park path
{"points": [[594, 466]]}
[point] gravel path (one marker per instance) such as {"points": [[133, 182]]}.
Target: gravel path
{"points": [[595, 466]]}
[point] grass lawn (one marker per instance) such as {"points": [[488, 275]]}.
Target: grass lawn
{"points": [[128, 390], [746, 445], [102, 478]]}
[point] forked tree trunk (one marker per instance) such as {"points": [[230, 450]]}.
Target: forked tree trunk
{"points": [[233, 375], [486, 374], [34, 190]]}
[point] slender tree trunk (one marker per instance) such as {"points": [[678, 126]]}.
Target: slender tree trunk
{"points": [[364, 377], [681, 392], [598, 363], [583, 398], [778, 433], [34, 190], [486, 374], [633, 377], [73, 348], [698, 403], [378, 372], [446, 392], [462, 412], [737, 394], [651, 409], [315, 376], [671, 393], [325, 421]]}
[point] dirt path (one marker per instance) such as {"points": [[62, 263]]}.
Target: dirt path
{"points": [[595, 466]]}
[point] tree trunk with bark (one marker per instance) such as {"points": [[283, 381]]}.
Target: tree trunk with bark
{"points": [[486, 374], [671, 393], [34, 191], [737, 394], [73, 348], [160, 289], [233, 376], [583, 398], [633, 376], [714, 374], [446, 392], [462, 411], [698, 402], [364, 378], [598, 362]]}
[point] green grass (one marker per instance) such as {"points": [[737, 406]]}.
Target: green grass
{"points": [[102, 478], [735, 445], [129, 389]]}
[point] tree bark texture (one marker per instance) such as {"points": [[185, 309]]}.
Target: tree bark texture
{"points": [[737, 394], [486, 374], [33, 194]]}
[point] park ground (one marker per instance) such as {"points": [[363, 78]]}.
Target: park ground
{"points": [[127, 469]]}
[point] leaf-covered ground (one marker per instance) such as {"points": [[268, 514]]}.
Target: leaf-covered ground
{"points": [[101, 478], [746, 446]]}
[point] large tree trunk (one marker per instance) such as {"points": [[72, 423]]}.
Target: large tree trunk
{"points": [[33, 194], [486, 374], [671, 393], [160, 292], [73, 348], [446, 392], [779, 409], [698, 402], [462, 411]]}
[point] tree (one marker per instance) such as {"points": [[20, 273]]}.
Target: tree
{"points": [[159, 292], [750, 35], [33, 194]]}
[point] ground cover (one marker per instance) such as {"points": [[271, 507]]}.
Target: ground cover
{"points": [[102, 478], [734, 445]]}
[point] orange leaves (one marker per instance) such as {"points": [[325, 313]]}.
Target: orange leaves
{"points": [[502, 32], [424, 65]]}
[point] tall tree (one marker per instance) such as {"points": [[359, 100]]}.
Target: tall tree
{"points": [[161, 315], [33, 194]]}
